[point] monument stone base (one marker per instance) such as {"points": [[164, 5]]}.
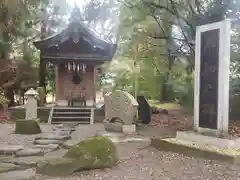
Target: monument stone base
{"points": [[118, 137], [201, 139], [119, 127], [113, 127], [129, 129]]}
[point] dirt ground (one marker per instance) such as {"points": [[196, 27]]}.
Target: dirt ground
{"points": [[181, 120]]}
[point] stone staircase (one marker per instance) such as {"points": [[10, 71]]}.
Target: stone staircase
{"points": [[59, 115]]}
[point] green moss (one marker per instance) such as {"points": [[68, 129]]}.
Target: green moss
{"points": [[3, 99], [95, 152], [27, 127], [56, 167]]}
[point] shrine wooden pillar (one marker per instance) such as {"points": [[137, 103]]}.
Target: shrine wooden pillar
{"points": [[57, 81]]}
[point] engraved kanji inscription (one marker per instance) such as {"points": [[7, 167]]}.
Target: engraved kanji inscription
{"points": [[209, 61]]}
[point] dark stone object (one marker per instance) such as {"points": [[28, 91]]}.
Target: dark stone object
{"points": [[144, 110], [27, 127]]}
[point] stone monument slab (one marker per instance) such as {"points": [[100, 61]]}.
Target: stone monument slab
{"points": [[212, 62], [120, 109]]}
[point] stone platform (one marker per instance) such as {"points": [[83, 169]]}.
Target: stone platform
{"points": [[122, 137], [208, 140], [197, 145]]}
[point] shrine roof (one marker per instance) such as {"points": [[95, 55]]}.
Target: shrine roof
{"points": [[77, 30]]}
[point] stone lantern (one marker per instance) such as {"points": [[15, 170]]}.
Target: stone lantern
{"points": [[31, 104]]}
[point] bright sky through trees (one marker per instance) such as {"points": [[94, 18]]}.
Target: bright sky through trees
{"points": [[80, 3]]}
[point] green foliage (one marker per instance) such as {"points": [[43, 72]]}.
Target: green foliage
{"points": [[155, 54], [3, 99]]}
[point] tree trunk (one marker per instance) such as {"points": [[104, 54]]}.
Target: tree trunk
{"points": [[10, 96], [165, 95], [42, 65], [42, 75]]}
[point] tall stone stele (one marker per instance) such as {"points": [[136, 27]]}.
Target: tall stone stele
{"points": [[31, 104]]}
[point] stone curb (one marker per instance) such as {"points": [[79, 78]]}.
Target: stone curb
{"points": [[166, 146]]}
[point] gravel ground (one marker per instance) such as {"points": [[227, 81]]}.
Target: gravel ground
{"points": [[8, 137], [150, 164], [138, 161]]}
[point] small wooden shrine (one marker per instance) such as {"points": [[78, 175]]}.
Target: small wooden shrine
{"points": [[76, 52]]}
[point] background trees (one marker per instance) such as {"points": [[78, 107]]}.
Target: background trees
{"points": [[155, 55]]}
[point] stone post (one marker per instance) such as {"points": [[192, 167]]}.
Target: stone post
{"points": [[31, 104]]}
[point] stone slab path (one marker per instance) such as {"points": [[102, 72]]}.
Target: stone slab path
{"points": [[138, 161], [17, 161], [28, 174]]}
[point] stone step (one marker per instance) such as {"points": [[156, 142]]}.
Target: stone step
{"points": [[32, 161], [10, 149], [66, 124], [30, 152], [69, 122], [6, 167], [47, 147], [28, 174], [72, 113], [71, 117], [66, 128], [80, 120], [53, 137], [67, 114], [48, 141], [71, 110]]}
